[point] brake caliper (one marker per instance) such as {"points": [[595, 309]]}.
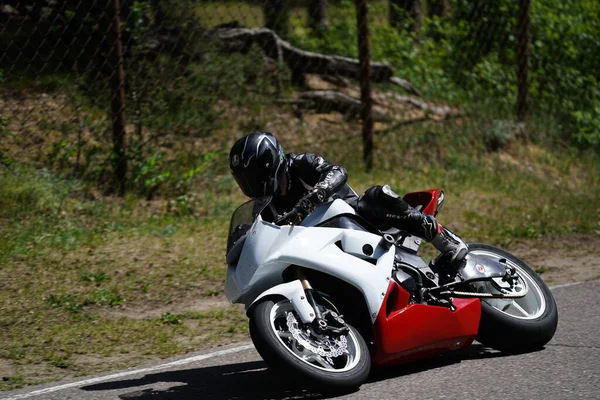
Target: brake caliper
{"points": [[327, 347]]}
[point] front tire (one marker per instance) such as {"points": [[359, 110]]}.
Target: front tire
{"points": [[515, 325], [277, 345]]}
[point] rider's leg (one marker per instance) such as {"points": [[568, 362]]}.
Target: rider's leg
{"points": [[387, 209]]}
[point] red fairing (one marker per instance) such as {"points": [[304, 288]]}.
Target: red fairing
{"points": [[407, 332], [427, 198]]}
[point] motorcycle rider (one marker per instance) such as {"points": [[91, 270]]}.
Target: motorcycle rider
{"points": [[261, 168]]}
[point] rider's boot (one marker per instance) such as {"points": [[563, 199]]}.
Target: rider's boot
{"points": [[453, 251], [382, 206]]}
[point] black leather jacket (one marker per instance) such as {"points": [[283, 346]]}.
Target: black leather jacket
{"points": [[305, 171]]}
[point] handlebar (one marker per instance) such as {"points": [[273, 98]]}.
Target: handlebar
{"points": [[286, 216], [304, 205]]}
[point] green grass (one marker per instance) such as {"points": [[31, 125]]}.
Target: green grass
{"points": [[77, 273]]}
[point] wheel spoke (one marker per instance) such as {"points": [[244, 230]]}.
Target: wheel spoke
{"points": [[521, 309], [319, 360], [284, 334], [530, 306], [300, 341]]}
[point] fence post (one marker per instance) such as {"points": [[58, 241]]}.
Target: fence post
{"points": [[523, 59], [366, 100], [117, 85]]}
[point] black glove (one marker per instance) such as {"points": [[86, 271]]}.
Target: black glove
{"points": [[314, 197]]}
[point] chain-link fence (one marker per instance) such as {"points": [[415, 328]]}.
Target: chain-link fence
{"points": [[144, 94]]}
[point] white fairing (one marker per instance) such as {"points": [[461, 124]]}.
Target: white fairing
{"points": [[327, 211], [269, 249]]}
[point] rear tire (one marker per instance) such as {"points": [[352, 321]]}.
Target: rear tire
{"points": [[504, 331], [282, 358]]}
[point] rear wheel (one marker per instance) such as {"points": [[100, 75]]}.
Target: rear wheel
{"points": [[326, 363], [515, 325]]}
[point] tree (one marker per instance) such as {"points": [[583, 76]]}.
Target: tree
{"points": [[276, 17], [317, 14], [399, 9], [438, 8]]}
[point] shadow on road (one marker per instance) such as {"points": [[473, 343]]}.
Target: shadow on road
{"points": [[473, 352], [248, 380], [251, 380]]}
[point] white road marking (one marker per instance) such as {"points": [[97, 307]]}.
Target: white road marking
{"points": [[132, 372], [567, 285], [183, 361]]}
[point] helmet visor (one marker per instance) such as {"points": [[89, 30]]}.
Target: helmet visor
{"points": [[256, 181]]}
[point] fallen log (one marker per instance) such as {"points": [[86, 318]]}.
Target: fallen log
{"points": [[324, 101], [442, 111], [404, 84], [301, 61]]}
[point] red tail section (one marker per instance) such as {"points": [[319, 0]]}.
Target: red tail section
{"points": [[427, 198]]}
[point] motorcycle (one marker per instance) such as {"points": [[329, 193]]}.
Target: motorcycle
{"points": [[328, 295]]}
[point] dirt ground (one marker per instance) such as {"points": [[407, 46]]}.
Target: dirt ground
{"points": [[573, 258]]}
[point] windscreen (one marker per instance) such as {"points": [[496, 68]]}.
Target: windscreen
{"points": [[243, 217]]}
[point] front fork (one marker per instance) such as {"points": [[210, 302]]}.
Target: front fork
{"points": [[328, 321], [308, 290]]}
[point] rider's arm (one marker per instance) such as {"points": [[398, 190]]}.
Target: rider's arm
{"points": [[316, 171]]}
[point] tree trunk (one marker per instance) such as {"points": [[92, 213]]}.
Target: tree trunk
{"points": [[159, 15], [117, 83], [396, 11], [523, 51], [276, 17], [317, 14], [438, 8], [417, 16], [400, 8], [366, 95]]}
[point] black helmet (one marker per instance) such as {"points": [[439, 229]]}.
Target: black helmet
{"points": [[257, 162]]}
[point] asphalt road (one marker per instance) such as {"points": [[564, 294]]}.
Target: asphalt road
{"points": [[568, 368]]}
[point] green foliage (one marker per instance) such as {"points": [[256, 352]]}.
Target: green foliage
{"points": [[5, 160], [58, 360], [26, 192], [181, 99], [470, 58], [148, 174], [95, 277], [106, 297], [500, 134], [565, 59], [184, 205], [168, 318], [65, 301], [587, 126]]}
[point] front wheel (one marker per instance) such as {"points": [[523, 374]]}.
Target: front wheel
{"points": [[515, 325], [327, 363]]}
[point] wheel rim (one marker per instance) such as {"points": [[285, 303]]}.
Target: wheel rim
{"points": [[531, 306], [348, 360]]}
